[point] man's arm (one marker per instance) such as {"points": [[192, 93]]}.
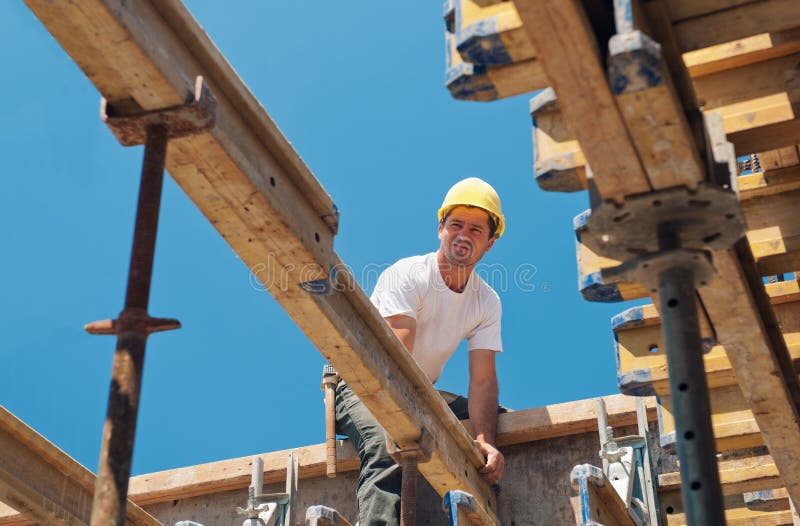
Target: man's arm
{"points": [[483, 410], [405, 327]]}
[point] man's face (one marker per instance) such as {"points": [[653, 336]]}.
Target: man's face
{"points": [[464, 236]]}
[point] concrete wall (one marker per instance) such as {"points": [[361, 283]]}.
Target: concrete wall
{"points": [[535, 490]]}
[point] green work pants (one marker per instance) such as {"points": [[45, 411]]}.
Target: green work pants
{"points": [[380, 479]]}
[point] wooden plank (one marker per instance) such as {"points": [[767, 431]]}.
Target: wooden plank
{"points": [[641, 361], [782, 292], [773, 231], [742, 52], [736, 512], [789, 156], [591, 284], [569, 418], [641, 358], [780, 158], [745, 325], [769, 182], [767, 500], [490, 35], [757, 103], [477, 82], [737, 475], [731, 418], [682, 9], [642, 84], [747, 19], [517, 427], [46, 484], [575, 72], [248, 181], [558, 161]]}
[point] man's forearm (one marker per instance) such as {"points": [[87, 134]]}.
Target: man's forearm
{"points": [[483, 410]]}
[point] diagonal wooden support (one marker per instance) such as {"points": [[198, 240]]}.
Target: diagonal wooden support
{"points": [[257, 192], [744, 323], [46, 484]]}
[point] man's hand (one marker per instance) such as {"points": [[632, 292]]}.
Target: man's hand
{"points": [[492, 471]]}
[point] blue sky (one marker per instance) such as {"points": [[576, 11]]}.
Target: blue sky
{"points": [[358, 88]]}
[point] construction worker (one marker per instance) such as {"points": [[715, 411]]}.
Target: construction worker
{"points": [[432, 302]]}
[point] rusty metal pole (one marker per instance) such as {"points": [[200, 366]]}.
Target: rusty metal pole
{"points": [[408, 493], [153, 128], [132, 328]]}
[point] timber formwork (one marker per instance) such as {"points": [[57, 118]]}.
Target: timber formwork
{"points": [[630, 98], [734, 58], [540, 444]]}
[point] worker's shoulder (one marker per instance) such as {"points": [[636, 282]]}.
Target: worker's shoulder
{"points": [[486, 292]]}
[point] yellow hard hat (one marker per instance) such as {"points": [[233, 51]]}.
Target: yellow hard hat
{"points": [[475, 192]]}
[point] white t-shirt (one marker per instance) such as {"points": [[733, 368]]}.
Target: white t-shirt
{"points": [[414, 287]]}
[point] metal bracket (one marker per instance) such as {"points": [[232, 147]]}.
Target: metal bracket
{"points": [[422, 452], [458, 505], [646, 269], [197, 115], [708, 218], [408, 460], [320, 287]]}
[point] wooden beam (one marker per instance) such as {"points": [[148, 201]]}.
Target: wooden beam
{"points": [[742, 52], [642, 363], [641, 358], [683, 9], [769, 182], [780, 158], [745, 325], [467, 81], [737, 475], [758, 103], [742, 21], [569, 418], [517, 427], [44, 483], [570, 56], [642, 84], [558, 162], [736, 512], [510, 68], [773, 231], [767, 500], [490, 35], [591, 284], [253, 187], [731, 418]]}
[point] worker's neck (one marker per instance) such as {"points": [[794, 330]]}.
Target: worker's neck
{"points": [[455, 276]]}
